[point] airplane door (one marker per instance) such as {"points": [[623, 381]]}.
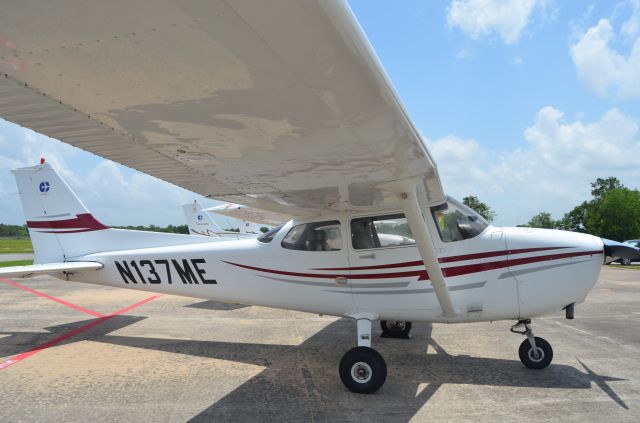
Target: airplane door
{"points": [[385, 264], [307, 268]]}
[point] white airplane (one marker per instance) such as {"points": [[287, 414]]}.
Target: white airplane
{"points": [[282, 106], [249, 214], [201, 223]]}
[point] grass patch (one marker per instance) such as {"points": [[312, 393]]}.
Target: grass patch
{"points": [[15, 245], [15, 263], [630, 267]]}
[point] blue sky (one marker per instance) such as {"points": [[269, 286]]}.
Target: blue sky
{"points": [[522, 102]]}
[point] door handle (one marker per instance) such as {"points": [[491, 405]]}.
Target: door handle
{"points": [[341, 280], [368, 256]]}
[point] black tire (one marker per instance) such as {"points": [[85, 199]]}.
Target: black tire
{"points": [[528, 359], [363, 370], [625, 261], [395, 329]]}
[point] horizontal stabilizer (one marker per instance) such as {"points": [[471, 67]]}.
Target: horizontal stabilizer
{"points": [[38, 269]]}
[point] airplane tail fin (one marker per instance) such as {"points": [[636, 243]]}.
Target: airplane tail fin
{"points": [[199, 221], [51, 209], [61, 227], [249, 228]]}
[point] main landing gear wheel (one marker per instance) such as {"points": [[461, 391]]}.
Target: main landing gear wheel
{"points": [[395, 329], [534, 352], [536, 361], [363, 370]]}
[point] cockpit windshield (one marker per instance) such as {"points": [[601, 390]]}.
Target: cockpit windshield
{"points": [[456, 222]]}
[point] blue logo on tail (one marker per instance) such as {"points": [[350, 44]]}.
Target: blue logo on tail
{"points": [[199, 216], [44, 186]]}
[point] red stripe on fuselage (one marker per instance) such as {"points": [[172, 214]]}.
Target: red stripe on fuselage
{"points": [[481, 267], [72, 231], [330, 276], [476, 256], [422, 274], [449, 259], [82, 222]]}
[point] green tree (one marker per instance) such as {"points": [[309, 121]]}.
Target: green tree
{"points": [[583, 218], [616, 215], [479, 207], [601, 186], [574, 220], [264, 229], [14, 231], [174, 229], [542, 220]]}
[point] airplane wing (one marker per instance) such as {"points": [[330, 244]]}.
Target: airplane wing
{"points": [[249, 214], [39, 269], [280, 105]]}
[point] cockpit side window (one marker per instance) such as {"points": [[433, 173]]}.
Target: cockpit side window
{"points": [[316, 236], [457, 222], [380, 232]]}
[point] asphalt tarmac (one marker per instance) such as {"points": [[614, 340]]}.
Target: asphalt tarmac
{"points": [[13, 257], [72, 352]]}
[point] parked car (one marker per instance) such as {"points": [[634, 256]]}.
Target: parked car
{"points": [[627, 261]]}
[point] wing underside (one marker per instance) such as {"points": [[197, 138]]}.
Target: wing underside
{"points": [[280, 105], [249, 214]]}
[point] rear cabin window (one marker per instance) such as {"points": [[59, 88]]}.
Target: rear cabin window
{"points": [[381, 232], [316, 236]]}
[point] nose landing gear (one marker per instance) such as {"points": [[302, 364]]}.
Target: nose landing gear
{"points": [[534, 352]]}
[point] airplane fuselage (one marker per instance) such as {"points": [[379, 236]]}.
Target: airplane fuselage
{"points": [[501, 274]]}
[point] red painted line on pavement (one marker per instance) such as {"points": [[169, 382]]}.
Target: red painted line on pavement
{"points": [[18, 358], [132, 306], [49, 297]]}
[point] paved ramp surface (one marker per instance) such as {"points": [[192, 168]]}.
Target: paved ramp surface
{"points": [[72, 352], [13, 257]]}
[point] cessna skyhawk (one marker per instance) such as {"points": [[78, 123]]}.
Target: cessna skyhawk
{"points": [[282, 106], [201, 223]]}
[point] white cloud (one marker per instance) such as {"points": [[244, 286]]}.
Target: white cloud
{"points": [[116, 195], [464, 54], [551, 172], [631, 28], [481, 18], [603, 68]]}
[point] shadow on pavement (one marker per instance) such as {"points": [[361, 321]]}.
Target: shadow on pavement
{"points": [[301, 382], [216, 305]]}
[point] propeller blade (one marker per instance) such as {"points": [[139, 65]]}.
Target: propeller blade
{"points": [[619, 249]]}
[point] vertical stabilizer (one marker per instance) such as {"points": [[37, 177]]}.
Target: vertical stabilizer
{"points": [[199, 221], [51, 208], [61, 227], [249, 228]]}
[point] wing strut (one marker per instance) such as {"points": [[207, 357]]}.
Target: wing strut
{"points": [[407, 194]]}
